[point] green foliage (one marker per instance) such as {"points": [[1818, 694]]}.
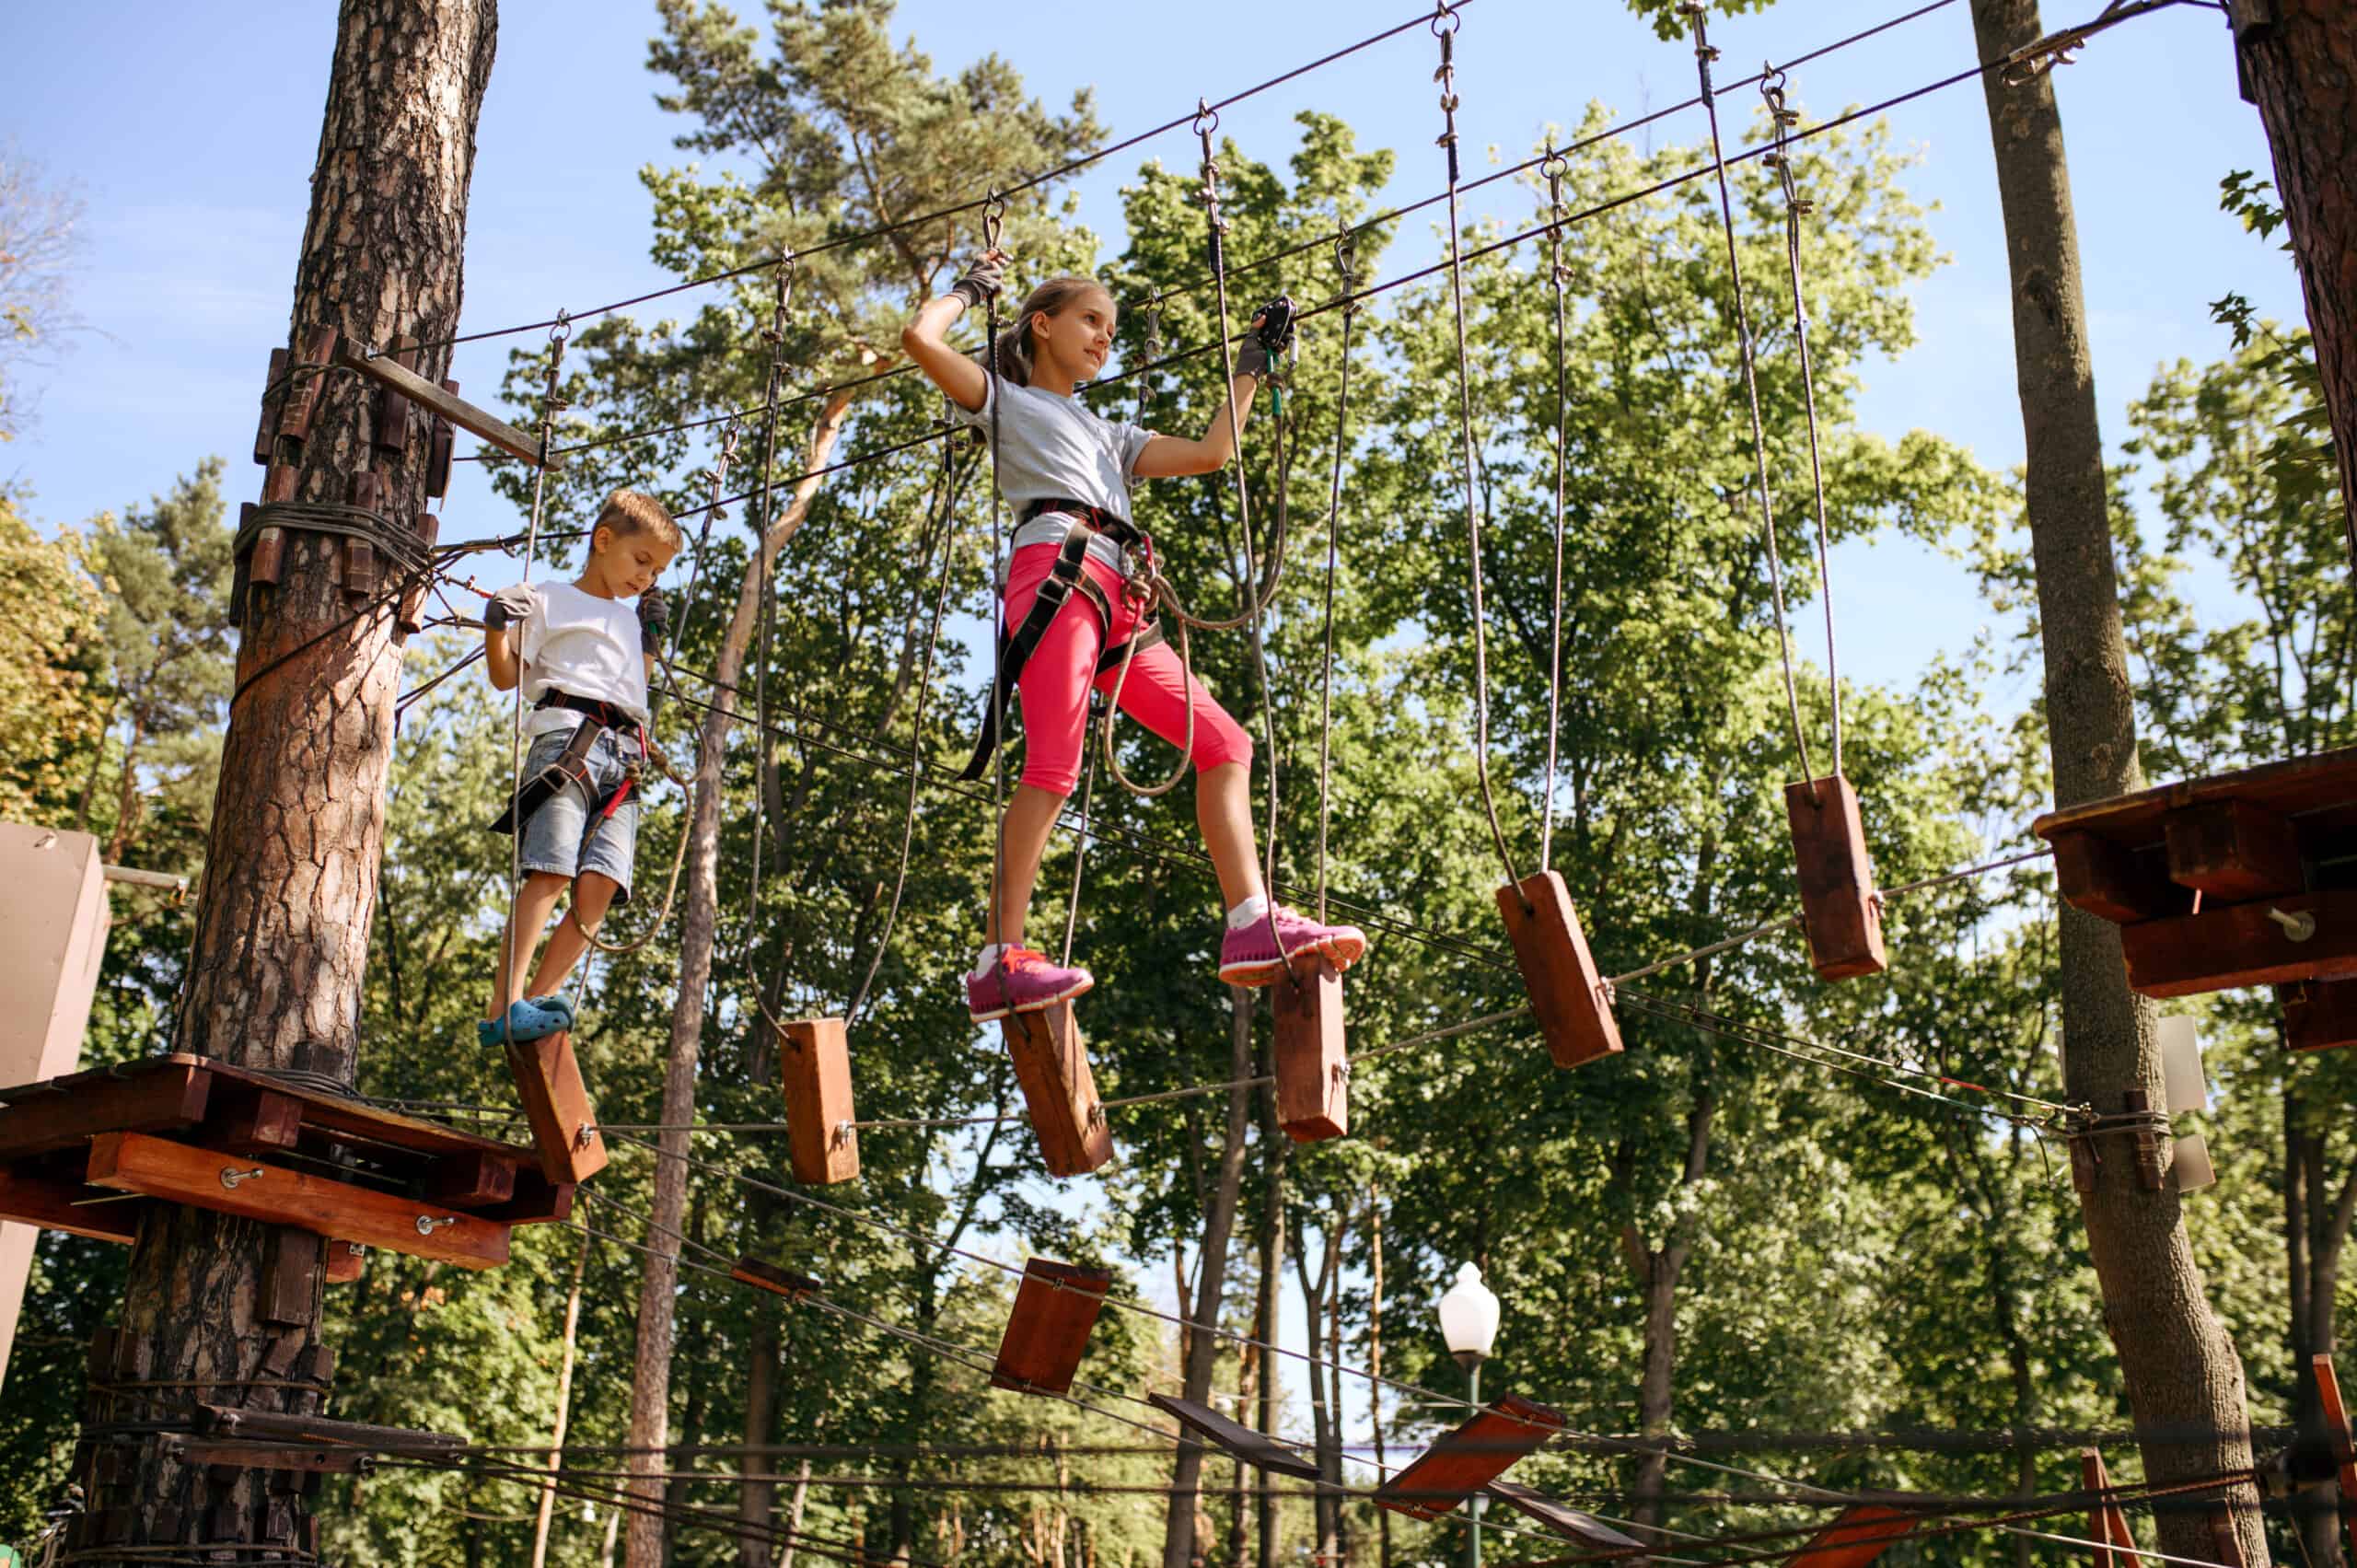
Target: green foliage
{"points": [[52, 668]]}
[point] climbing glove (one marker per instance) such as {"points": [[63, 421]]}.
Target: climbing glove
{"points": [[982, 280], [1270, 335], [653, 620], [509, 604]]}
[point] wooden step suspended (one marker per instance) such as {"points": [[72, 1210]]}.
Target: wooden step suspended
{"points": [[1856, 1537], [1467, 1460], [1052, 1065], [556, 1105], [2106, 1523], [1841, 911], [814, 1068], [1567, 991], [1563, 1519], [2344, 1441], [1054, 1308], [768, 1276], [1313, 1070], [1254, 1449], [2318, 1015]]}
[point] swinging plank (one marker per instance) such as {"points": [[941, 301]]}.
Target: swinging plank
{"points": [[1566, 989], [1840, 909], [382, 369], [1856, 1539], [814, 1066], [1464, 1461], [2318, 1015], [1052, 1065], [2106, 1523], [1313, 1077], [1562, 1519], [769, 1277], [1054, 1308], [556, 1104], [1252, 1448]]}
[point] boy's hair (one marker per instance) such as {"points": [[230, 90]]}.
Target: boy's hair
{"points": [[629, 512]]}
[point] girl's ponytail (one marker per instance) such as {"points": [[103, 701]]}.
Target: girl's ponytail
{"points": [[1013, 351]]}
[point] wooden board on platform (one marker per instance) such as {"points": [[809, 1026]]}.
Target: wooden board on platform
{"points": [[1253, 1447], [1463, 1462], [2236, 945], [2318, 792], [1313, 1072], [1561, 1518], [58, 1113], [2318, 1015], [1856, 1537], [814, 1070], [1052, 1065], [1054, 1309], [556, 1103], [68, 1205], [1841, 911], [1566, 989]]}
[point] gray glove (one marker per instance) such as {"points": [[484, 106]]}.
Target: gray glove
{"points": [[982, 281], [1252, 356], [653, 620], [1270, 333], [510, 604]]}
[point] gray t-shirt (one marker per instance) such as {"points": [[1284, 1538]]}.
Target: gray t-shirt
{"points": [[1050, 447]]}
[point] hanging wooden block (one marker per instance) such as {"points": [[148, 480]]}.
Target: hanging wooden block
{"points": [[2270, 942], [1054, 1308], [556, 1103], [1567, 991], [1855, 1538], [1464, 1461], [1840, 909], [814, 1067], [1563, 1520], [2318, 1015], [1313, 1075], [1253, 1447], [1052, 1065], [769, 1277], [2106, 1523]]}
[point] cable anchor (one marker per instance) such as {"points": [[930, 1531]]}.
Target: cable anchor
{"points": [[231, 1177], [427, 1224], [1206, 118]]}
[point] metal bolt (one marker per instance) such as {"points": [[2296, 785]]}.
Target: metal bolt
{"points": [[427, 1225], [584, 1136], [231, 1176], [2298, 925]]}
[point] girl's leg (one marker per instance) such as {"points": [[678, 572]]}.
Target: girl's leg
{"points": [[593, 895], [1223, 811], [1159, 694], [535, 901], [1030, 818], [1055, 722]]}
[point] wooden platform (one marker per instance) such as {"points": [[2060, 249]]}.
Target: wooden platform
{"points": [[88, 1153]]}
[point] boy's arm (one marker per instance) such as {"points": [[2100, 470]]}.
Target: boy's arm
{"points": [[505, 607]]}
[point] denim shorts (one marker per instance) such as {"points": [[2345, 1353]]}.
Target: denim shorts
{"points": [[570, 834]]}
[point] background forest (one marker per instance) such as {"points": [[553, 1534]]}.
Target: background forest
{"points": [[1706, 1235]]}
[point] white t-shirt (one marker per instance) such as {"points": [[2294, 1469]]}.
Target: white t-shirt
{"points": [[1050, 447], [575, 642]]}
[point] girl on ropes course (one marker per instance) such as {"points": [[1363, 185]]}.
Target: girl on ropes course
{"points": [[1076, 602]]}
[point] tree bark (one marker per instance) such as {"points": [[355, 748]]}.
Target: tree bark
{"points": [[563, 1406], [1374, 1367], [290, 882], [2299, 61], [650, 1386], [757, 1498], [1264, 1326], [1657, 1271], [2181, 1370], [1211, 1286]]}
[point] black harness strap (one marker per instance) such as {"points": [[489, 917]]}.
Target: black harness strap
{"points": [[571, 769]]}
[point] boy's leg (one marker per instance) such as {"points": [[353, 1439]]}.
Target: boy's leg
{"points": [[593, 895], [535, 901]]}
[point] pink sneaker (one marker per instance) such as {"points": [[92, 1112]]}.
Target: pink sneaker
{"points": [[1249, 956], [1023, 982]]}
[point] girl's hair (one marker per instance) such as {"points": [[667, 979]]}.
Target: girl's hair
{"points": [[1014, 344]]}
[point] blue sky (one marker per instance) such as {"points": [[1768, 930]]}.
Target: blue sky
{"points": [[191, 136]]}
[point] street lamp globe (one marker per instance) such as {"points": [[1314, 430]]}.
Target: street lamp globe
{"points": [[1468, 1318]]}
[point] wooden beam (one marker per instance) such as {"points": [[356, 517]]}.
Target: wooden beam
{"points": [[1855, 1538], [556, 1103], [1565, 1520], [237, 1454], [150, 1099], [1839, 911], [472, 1180], [1052, 1065], [1253, 1447], [134, 1162], [2344, 1442], [1463, 1462], [1313, 1075], [769, 1277], [814, 1070], [2232, 850], [2318, 1015], [319, 1431], [33, 1200], [347, 1260], [1566, 989], [2106, 1522], [2239, 945], [381, 369], [1054, 1308], [2113, 882]]}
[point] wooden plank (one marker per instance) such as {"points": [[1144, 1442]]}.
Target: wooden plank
{"points": [[1462, 1462], [1054, 1308], [134, 1162], [267, 434], [2106, 1523], [2232, 850], [814, 1069], [2321, 791], [355, 1121], [476, 1179], [38, 1200], [274, 1426], [537, 1201], [254, 1121], [1052, 1065], [1252, 1448], [286, 1283], [233, 1453], [382, 370], [1563, 1519], [768, 1276], [347, 1260], [2113, 882], [556, 1103], [1566, 989], [2238, 945], [303, 396], [167, 1097], [391, 434], [1313, 1075], [1840, 909], [1856, 1537], [2318, 1015]]}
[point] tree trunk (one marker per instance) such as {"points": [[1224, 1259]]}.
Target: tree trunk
{"points": [[1657, 1271], [1211, 1286], [757, 1499], [1264, 1326], [794, 1511], [650, 1385], [2300, 66], [290, 882], [2181, 1371], [563, 1404], [1374, 1367]]}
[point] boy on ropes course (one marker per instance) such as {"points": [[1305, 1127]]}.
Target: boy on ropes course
{"points": [[1078, 606], [584, 659]]}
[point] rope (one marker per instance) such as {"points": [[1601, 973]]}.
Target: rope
{"points": [[1344, 255], [1553, 167], [775, 335]]}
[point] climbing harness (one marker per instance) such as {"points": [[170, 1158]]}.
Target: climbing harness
{"points": [[571, 768]]}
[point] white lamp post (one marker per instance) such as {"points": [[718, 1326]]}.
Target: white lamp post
{"points": [[1468, 1325]]}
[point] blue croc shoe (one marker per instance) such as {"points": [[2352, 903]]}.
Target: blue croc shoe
{"points": [[557, 1005], [526, 1022]]}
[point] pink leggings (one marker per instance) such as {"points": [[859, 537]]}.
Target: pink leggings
{"points": [[1055, 682]]}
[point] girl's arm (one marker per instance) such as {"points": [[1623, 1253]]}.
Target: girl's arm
{"points": [[927, 338], [1168, 456]]}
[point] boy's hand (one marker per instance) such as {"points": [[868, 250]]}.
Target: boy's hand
{"points": [[653, 620], [508, 606]]}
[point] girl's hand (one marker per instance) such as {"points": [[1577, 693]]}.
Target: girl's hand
{"points": [[983, 278]]}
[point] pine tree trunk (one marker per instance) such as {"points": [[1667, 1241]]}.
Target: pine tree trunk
{"points": [[1210, 1287], [757, 1500], [2181, 1370], [290, 880], [650, 1384], [2299, 62]]}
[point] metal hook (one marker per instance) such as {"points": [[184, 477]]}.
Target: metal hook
{"points": [[994, 220], [1443, 11], [1206, 118], [561, 328]]}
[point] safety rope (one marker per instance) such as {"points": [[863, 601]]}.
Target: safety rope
{"points": [[764, 520], [1552, 168], [1346, 256]]}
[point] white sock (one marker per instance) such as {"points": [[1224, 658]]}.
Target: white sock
{"points": [[1253, 908], [987, 959]]}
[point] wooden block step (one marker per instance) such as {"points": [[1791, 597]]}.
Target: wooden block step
{"points": [[1464, 1461], [1054, 1308], [814, 1068], [1840, 909], [767, 1276], [1252, 1448], [2237, 945], [1856, 1537], [204, 1179], [1052, 1065], [1561, 1518], [2318, 1015], [1566, 989], [1313, 1075], [556, 1103]]}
